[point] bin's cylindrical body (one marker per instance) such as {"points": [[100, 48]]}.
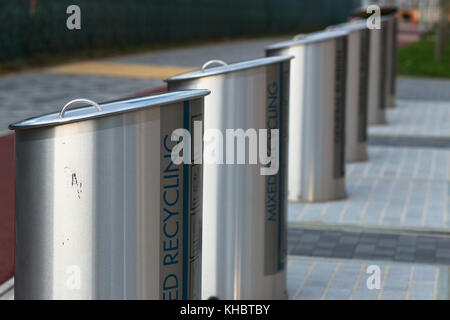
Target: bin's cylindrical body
{"points": [[377, 80], [102, 212], [357, 89], [244, 221], [317, 115], [386, 62], [393, 36], [383, 63]]}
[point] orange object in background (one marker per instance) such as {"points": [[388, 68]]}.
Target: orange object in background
{"points": [[408, 15]]}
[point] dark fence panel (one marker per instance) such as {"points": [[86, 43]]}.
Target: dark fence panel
{"points": [[36, 26]]}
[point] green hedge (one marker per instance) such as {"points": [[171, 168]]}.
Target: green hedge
{"points": [[108, 23]]}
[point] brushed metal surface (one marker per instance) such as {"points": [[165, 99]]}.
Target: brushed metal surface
{"points": [[387, 26], [312, 120], [88, 220], [357, 90], [234, 200], [376, 112], [393, 31], [357, 95]]}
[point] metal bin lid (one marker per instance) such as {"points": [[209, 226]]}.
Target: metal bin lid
{"points": [[226, 68], [309, 38], [355, 25], [92, 110]]}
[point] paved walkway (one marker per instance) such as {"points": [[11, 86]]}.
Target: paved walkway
{"points": [[400, 188], [369, 245], [422, 118], [410, 88], [329, 279]]}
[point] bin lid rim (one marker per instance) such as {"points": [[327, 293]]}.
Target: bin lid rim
{"points": [[350, 26], [108, 109], [310, 38], [363, 20], [385, 11], [238, 66]]}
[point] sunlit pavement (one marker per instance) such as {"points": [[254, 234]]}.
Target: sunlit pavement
{"points": [[337, 279], [400, 187], [396, 215]]}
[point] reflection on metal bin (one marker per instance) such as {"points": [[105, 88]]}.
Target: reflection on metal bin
{"points": [[377, 79], [357, 89], [393, 34], [386, 63], [244, 225], [317, 114], [388, 59], [102, 211]]}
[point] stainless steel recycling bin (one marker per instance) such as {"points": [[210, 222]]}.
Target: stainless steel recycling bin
{"points": [[317, 114], [102, 211], [377, 79], [393, 37], [244, 225], [357, 89], [386, 63]]}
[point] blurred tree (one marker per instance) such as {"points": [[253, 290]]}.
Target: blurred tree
{"points": [[442, 29]]}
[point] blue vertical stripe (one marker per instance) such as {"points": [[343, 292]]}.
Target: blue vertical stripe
{"points": [[186, 125], [280, 171]]}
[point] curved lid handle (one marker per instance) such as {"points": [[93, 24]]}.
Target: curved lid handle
{"points": [[299, 36], [210, 62], [85, 101]]}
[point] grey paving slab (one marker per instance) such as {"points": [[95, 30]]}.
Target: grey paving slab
{"points": [[409, 247], [408, 210], [423, 89], [410, 141], [335, 279], [398, 187], [403, 162], [416, 118]]}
